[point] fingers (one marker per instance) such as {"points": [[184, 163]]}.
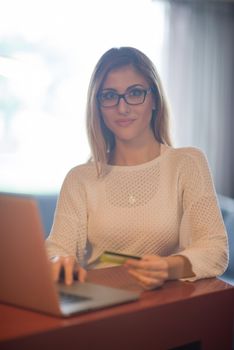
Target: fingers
{"points": [[82, 274], [147, 283], [150, 272], [68, 267], [56, 264], [148, 262]]}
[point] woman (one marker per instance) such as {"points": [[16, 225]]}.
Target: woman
{"points": [[137, 195]]}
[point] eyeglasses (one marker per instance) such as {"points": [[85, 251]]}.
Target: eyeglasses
{"points": [[135, 96]]}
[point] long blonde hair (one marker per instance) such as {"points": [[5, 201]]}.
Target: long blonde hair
{"points": [[101, 139]]}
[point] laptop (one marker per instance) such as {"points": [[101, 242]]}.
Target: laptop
{"points": [[25, 277]]}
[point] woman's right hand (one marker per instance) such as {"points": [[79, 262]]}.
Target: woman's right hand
{"points": [[68, 267]]}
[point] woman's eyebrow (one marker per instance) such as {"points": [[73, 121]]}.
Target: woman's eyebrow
{"points": [[135, 85], [128, 88], [109, 89]]}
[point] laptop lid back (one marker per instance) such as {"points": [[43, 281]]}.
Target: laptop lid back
{"points": [[22, 254]]}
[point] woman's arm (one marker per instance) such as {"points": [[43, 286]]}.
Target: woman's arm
{"points": [[203, 248], [67, 240], [203, 237], [179, 267]]}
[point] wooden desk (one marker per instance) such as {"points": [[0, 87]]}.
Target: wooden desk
{"points": [[179, 313]]}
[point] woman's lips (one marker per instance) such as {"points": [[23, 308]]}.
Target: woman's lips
{"points": [[124, 122]]}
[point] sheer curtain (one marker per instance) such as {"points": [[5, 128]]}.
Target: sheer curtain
{"points": [[199, 77]]}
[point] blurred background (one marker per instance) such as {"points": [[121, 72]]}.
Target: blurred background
{"points": [[48, 49]]}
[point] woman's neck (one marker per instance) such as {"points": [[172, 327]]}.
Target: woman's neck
{"points": [[129, 154]]}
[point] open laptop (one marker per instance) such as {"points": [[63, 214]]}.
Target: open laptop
{"points": [[25, 277]]}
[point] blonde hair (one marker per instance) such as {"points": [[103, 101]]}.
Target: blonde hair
{"points": [[101, 139]]}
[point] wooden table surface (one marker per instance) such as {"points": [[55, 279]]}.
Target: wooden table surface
{"points": [[178, 313]]}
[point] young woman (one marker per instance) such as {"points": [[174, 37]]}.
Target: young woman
{"points": [[137, 195]]}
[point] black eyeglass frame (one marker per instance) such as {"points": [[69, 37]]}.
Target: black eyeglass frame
{"points": [[146, 92]]}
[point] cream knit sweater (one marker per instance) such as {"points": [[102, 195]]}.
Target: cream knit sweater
{"points": [[163, 207]]}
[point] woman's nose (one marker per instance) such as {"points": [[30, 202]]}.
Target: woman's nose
{"points": [[123, 107]]}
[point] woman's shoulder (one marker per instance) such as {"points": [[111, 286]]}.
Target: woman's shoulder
{"points": [[190, 160], [188, 153], [82, 172]]}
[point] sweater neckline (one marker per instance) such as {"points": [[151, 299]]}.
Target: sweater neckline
{"points": [[163, 151]]}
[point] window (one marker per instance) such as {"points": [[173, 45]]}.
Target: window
{"points": [[47, 52]]}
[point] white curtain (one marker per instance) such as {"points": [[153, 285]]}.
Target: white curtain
{"points": [[199, 78]]}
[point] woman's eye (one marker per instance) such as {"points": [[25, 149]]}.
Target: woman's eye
{"points": [[136, 92], [108, 95]]}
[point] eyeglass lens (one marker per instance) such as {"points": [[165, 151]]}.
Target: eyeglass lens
{"points": [[135, 96]]}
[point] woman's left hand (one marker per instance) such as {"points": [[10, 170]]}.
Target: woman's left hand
{"points": [[151, 271]]}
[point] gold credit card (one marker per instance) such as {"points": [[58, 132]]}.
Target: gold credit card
{"points": [[116, 258]]}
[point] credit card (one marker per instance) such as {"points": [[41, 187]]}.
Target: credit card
{"points": [[116, 258]]}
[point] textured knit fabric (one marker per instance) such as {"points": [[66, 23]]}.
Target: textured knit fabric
{"points": [[163, 207]]}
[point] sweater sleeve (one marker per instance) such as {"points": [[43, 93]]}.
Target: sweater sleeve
{"points": [[203, 238], [68, 235]]}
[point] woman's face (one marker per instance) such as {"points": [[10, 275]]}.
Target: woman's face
{"points": [[129, 123]]}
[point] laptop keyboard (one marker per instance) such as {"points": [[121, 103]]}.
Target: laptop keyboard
{"points": [[71, 298]]}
